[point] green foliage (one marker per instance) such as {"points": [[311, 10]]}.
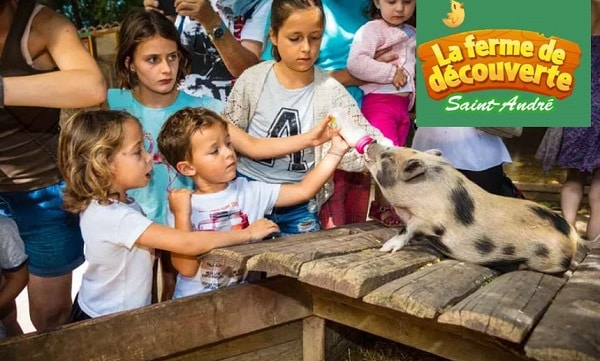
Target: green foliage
{"points": [[86, 13]]}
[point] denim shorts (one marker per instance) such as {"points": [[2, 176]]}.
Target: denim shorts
{"points": [[301, 218], [51, 235]]}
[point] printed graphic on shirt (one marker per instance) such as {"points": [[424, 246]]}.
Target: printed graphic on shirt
{"points": [[152, 148], [223, 221], [236, 7], [214, 272], [209, 75], [287, 124]]}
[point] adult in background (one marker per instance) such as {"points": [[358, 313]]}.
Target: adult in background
{"points": [[478, 155], [43, 67], [580, 148], [225, 37]]}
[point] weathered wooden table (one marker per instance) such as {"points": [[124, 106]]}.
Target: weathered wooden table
{"points": [[456, 310]]}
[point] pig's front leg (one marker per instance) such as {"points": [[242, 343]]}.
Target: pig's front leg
{"points": [[395, 243], [415, 229]]}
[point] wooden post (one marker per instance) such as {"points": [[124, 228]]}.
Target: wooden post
{"points": [[313, 338]]}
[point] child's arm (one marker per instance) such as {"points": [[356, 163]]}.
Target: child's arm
{"points": [[343, 75], [13, 262], [195, 243], [14, 282], [362, 61], [291, 194], [263, 148], [180, 201]]}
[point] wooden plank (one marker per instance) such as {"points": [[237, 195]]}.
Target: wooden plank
{"points": [[237, 256], [153, 332], [430, 290], [289, 351], [447, 341], [508, 307], [357, 274], [364, 226], [276, 343], [313, 338], [583, 248], [287, 258], [570, 328]]}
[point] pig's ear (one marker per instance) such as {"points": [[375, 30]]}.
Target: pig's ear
{"points": [[412, 168], [435, 152]]}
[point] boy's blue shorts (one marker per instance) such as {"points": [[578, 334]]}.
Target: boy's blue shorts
{"points": [[51, 235], [301, 218]]}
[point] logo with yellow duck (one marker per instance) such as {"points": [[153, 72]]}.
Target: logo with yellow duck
{"points": [[456, 16]]}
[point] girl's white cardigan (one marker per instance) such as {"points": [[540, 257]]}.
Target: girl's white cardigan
{"points": [[329, 93]]}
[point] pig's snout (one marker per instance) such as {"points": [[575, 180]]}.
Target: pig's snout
{"points": [[373, 151]]}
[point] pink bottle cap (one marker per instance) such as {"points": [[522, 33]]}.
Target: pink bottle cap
{"points": [[362, 143]]}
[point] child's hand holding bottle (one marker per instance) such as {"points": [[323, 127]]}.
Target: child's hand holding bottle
{"points": [[321, 132], [352, 133], [338, 145]]}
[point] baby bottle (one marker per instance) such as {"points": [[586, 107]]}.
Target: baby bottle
{"points": [[352, 133]]}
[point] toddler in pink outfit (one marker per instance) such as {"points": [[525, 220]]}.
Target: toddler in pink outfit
{"points": [[390, 86]]}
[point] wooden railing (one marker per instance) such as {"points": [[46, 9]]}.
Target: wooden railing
{"points": [[453, 309]]}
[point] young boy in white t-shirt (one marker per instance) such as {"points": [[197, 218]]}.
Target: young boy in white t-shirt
{"points": [[196, 143]]}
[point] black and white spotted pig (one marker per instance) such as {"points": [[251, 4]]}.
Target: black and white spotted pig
{"points": [[441, 206]]}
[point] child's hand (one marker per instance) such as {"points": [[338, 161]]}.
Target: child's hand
{"points": [[180, 202], [199, 10], [321, 132], [385, 55], [339, 145], [399, 78], [261, 228], [152, 5], [346, 126]]}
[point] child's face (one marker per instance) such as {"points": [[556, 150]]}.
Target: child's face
{"points": [[132, 164], [156, 62], [299, 39], [213, 158], [396, 12]]}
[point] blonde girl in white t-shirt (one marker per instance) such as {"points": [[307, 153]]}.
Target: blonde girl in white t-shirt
{"points": [[101, 157]]}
